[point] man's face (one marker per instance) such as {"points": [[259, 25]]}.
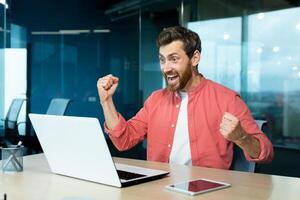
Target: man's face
{"points": [[175, 66]]}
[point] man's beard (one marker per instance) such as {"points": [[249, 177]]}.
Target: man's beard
{"points": [[183, 78]]}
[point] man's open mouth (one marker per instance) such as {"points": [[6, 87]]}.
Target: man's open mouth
{"points": [[172, 78]]}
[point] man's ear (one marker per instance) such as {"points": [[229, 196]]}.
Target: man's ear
{"points": [[196, 58]]}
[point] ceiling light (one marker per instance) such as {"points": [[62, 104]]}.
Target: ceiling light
{"points": [[45, 33], [74, 31], [226, 36], [101, 30], [275, 49], [295, 68], [60, 32], [260, 16], [298, 26], [259, 50]]}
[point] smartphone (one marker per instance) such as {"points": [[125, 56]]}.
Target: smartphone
{"points": [[197, 186]]}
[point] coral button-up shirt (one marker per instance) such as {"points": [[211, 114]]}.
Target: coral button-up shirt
{"points": [[206, 106]]}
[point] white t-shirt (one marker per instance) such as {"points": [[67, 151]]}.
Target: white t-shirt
{"points": [[181, 152]]}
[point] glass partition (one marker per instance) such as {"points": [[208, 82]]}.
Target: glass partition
{"points": [[2, 46], [221, 50], [152, 23], [274, 72], [267, 69]]}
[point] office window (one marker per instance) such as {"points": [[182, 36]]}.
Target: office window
{"points": [[221, 50], [271, 65], [15, 85], [274, 72]]}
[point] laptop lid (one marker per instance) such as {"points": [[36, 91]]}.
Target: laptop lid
{"points": [[76, 147]]}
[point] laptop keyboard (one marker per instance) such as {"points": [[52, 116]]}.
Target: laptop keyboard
{"points": [[128, 175]]}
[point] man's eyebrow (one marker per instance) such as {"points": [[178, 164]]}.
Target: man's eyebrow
{"points": [[169, 55], [172, 54]]}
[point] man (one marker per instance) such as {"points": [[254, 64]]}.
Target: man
{"points": [[193, 121]]}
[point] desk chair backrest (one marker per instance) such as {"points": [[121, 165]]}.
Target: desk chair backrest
{"points": [[239, 161], [58, 106], [10, 121], [10, 128]]}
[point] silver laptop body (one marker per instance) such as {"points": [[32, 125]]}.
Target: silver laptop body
{"points": [[76, 147]]}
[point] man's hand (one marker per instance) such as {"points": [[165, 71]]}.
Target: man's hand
{"points": [[107, 86], [231, 128]]}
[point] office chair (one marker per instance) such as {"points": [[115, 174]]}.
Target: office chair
{"points": [[58, 106], [239, 162], [11, 133]]}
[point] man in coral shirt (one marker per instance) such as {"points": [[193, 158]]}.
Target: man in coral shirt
{"points": [[194, 121]]}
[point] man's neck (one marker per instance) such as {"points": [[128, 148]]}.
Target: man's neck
{"points": [[193, 82]]}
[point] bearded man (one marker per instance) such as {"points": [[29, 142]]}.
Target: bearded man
{"points": [[193, 121]]}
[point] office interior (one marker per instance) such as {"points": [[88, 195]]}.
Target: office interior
{"points": [[58, 49]]}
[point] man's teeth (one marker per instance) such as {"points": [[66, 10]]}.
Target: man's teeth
{"points": [[172, 77]]}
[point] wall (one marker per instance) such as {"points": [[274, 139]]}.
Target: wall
{"points": [[68, 66]]}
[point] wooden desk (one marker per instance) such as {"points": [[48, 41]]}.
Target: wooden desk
{"points": [[37, 183]]}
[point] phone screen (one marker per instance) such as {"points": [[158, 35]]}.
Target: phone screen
{"points": [[198, 186]]}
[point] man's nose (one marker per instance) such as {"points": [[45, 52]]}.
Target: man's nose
{"points": [[167, 67]]}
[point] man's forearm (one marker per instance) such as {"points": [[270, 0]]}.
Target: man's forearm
{"points": [[249, 144], [110, 114]]}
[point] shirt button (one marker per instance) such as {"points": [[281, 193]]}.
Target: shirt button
{"points": [[177, 106], [172, 125], [169, 145]]}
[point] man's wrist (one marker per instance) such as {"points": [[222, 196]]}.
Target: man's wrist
{"points": [[242, 139], [106, 102]]}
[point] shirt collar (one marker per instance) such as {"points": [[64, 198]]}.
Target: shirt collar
{"points": [[199, 87]]}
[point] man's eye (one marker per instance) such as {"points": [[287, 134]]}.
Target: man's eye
{"points": [[174, 59], [161, 60]]}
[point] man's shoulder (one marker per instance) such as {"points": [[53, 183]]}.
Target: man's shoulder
{"points": [[159, 93], [220, 89], [157, 96]]}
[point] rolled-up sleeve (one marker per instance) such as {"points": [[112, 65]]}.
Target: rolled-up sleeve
{"points": [[266, 150], [119, 128], [240, 109], [126, 134]]}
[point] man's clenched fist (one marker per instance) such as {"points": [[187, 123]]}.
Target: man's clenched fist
{"points": [[107, 86], [231, 128]]}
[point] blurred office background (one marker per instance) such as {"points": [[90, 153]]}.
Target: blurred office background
{"points": [[58, 49]]}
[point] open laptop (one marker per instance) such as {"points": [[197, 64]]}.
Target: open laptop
{"points": [[76, 147]]}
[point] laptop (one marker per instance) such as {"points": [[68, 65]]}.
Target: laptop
{"points": [[76, 147]]}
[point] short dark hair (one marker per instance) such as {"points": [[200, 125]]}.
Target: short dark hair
{"points": [[191, 40]]}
